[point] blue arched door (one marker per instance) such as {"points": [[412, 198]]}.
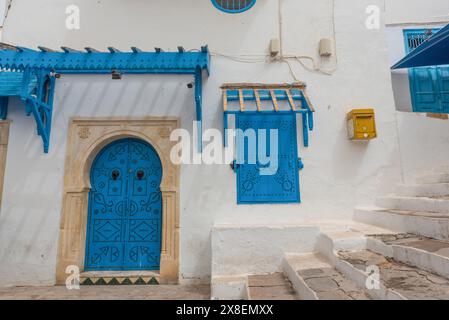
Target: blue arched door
{"points": [[125, 206]]}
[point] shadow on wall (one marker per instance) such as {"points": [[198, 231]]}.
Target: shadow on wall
{"points": [[348, 156]]}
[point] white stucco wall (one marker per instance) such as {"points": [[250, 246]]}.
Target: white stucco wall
{"points": [[416, 11], [423, 141], [338, 174]]}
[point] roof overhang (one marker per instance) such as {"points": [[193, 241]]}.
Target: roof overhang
{"points": [[433, 52]]}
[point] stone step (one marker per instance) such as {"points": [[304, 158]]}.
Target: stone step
{"points": [[433, 178], [402, 281], [425, 253], [419, 204], [432, 225], [423, 190], [274, 286], [315, 279]]}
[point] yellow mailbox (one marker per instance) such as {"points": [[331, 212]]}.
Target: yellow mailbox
{"points": [[361, 125]]}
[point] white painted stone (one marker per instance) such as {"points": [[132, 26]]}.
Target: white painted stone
{"points": [[421, 225], [229, 288], [257, 249], [423, 190], [416, 204], [345, 240], [292, 263], [428, 261], [433, 178], [378, 246]]}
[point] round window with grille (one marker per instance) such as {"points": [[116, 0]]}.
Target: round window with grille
{"points": [[234, 6]]}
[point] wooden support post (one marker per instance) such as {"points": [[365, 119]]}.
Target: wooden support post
{"points": [[304, 93], [225, 100], [275, 100], [242, 101], [258, 102], [290, 99]]}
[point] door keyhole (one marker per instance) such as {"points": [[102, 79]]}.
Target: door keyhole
{"points": [[140, 174], [115, 175]]}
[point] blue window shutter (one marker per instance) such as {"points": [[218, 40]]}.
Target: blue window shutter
{"points": [[283, 186], [429, 86], [424, 90], [443, 82]]}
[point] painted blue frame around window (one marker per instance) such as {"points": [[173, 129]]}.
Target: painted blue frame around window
{"points": [[219, 5]]}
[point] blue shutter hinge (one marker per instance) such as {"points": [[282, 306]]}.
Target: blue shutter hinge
{"points": [[300, 164], [235, 165]]}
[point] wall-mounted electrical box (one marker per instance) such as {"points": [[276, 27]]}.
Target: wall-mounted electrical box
{"points": [[326, 48], [361, 125], [275, 47]]}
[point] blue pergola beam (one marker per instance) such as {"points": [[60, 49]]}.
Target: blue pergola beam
{"points": [[198, 104], [104, 62], [35, 72]]}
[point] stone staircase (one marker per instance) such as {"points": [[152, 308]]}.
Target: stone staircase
{"points": [[355, 265], [397, 250], [314, 278], [422, 208]]}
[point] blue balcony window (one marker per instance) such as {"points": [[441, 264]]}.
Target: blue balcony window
{"points": [[429, 86]]}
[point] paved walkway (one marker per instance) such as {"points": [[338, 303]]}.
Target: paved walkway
{"points": [[159, 292]]}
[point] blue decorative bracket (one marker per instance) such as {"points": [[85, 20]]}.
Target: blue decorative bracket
{"points": [[32, 74]]}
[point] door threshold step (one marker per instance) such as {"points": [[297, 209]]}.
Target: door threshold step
{"points": [[410, 282], [119, 278]]}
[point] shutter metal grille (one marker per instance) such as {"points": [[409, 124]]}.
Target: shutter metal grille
{"points": [[234, 5], [416, 39]]}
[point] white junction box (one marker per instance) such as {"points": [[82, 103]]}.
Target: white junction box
{"points": [[275, 47], [326, 47]]}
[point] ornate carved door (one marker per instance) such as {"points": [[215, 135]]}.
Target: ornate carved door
{"points": [[125, 208]]}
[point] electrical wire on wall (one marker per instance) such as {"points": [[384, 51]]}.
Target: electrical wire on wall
{"points": [[316, 67], [290, 58], [7, 9]]}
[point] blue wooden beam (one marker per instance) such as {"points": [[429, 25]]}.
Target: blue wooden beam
{"points": [[199, 106], [33, 75], [70, 50], [71, 61], [4, 108], [91, 50], [113, 50]]}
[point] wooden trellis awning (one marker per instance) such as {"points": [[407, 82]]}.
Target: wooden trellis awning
{"points": [[256, 93], [294, 93]]}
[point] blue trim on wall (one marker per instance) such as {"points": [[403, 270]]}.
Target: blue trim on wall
{"points": [[219, 7], [29, 70]]}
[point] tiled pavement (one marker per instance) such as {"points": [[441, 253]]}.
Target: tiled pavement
{"points": [[158, 292]]}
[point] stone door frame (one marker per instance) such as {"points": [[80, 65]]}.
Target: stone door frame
{"points": [[4, 140], [86, 138]]}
